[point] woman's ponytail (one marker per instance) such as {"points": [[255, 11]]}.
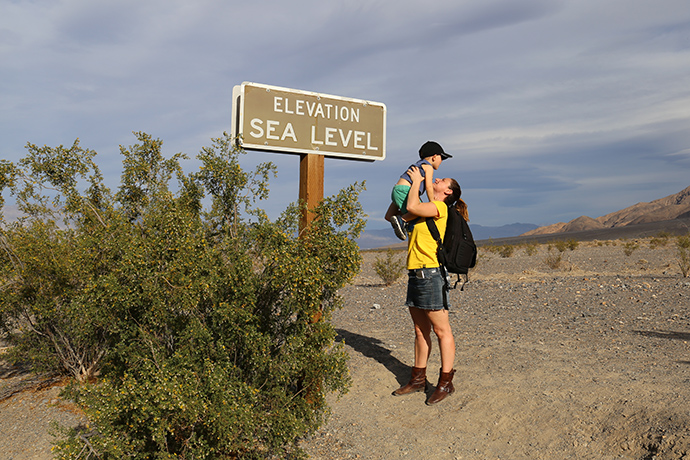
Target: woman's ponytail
{"points": [[461, 206], [454, 199]]}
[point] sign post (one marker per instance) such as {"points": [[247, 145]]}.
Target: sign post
{"points": [[310, 185], [313, 125]]}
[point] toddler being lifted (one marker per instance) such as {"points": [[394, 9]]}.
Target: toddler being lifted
{"points": [[431, 155]]}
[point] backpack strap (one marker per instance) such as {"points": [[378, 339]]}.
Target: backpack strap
{"points": [[433, 229], [467, 278]]}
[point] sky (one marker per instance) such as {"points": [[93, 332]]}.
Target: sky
{"points": [[552, 109]]}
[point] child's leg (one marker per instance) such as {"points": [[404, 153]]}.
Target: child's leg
{"points": [[408, 217], [399, 201], [392, 211]]}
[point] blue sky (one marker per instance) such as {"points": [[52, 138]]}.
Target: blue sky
{"points": [[552, 108]]}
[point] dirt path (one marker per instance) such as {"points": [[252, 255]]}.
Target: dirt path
{"points": [[586, 361]]}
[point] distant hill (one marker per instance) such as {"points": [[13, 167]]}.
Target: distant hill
{"points": [[672, 207], [378, 238]]}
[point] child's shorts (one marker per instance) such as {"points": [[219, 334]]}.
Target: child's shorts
{"points": [[399, 197]]}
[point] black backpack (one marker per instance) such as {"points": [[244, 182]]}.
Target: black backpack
{"points": [[456, 252]]}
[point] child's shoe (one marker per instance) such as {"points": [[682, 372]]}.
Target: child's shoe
{"points": [[399, 227]]}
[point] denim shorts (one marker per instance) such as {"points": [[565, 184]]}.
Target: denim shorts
{"points": [[425, 289]]}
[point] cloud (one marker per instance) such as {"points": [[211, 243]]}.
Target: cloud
{"points": [[551, 109]]}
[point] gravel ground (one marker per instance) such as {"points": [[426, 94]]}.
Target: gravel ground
{"points": [[30, 405], [588, 361]]}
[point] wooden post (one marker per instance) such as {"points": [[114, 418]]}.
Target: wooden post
{"points": [[310, 185], [311, 191]]}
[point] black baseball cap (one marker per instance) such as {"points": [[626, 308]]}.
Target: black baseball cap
{"points": [[431, 148]]}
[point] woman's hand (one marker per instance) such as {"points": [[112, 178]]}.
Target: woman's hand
{"points": [[415, 174]]}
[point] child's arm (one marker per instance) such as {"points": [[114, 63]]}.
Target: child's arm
{"points": [[414, 205], [429, 181]]}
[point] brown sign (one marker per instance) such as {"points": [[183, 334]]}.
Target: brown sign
{"points": [[292, 121]]}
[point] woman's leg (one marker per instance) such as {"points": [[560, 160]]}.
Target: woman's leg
{"points": [[439, 320], [422, 336]]}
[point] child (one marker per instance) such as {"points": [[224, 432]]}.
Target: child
{"points": [[431, 154]]}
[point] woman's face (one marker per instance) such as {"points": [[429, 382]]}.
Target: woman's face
{"points": [[440, 187]]}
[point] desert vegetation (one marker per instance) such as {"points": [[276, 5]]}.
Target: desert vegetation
{"points": [[629, 247], [192, 325], [683, 246], [553, 255], [391, 267]]}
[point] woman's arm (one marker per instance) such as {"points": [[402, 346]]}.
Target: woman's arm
{"points": [[414, 205]]}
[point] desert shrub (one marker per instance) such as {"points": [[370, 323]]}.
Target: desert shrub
{"points": [[629, 247], [390, 268], [683, 255], [531, 249], [661, 240], [193, 332], [506, 250], [492, 248], [553, 260], [560, 245], [563, 245]]}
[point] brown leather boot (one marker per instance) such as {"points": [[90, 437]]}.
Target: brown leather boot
{"points": [[443, 389], [417, 382]]}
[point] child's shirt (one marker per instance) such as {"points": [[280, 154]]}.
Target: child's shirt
{"points": [[422, 186]]}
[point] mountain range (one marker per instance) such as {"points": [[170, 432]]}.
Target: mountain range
{"points": [[670, 214], [676, 206]]}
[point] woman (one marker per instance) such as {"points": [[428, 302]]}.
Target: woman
{"points": [[425, 286]]}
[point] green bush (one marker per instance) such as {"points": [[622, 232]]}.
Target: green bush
{"points": [[192, 332], [391, 268]]}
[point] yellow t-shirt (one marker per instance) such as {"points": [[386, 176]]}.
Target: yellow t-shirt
{"points": [[421, 249]]}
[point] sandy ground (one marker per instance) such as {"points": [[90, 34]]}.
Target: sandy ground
{"points": [[589, 360]]}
